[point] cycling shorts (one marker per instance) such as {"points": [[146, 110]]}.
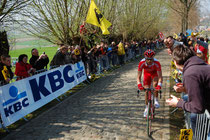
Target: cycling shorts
{"points": [[148, 77]]}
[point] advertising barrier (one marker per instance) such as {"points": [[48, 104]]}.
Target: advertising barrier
{"points": [[25, 96]]}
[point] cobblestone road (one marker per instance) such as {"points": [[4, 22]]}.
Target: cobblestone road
{"points": [[108, 109]]}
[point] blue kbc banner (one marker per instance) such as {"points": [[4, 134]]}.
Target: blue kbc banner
{"points": [[25, 96]]}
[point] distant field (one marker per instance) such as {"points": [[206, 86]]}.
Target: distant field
{"points": [[20, 40], [24, 43], [34, 43], [22, 35]]}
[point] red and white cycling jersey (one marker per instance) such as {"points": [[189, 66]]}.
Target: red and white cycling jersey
{"points": [[150, 69]]}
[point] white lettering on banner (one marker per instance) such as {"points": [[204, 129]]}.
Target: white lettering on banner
{"points": [[23, 97]]}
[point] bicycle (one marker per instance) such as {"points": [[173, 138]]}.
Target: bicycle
{"points": [[151, 107]]}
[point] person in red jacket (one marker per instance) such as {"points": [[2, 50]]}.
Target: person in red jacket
{"points": [[23, 69], [201, 52]]}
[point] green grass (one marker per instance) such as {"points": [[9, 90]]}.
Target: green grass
{"points": [[34, 43], [50, 51]]}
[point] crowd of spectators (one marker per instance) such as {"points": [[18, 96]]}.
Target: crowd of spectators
{"points": [[97, 59], [190, 56]]}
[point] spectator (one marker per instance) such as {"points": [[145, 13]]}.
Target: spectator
{"points": [[109, 55], [6, 73], [157, 43], [84, 56], [190, 45], [126, 51], [76, 55], [38, 62], [71, 49], [91, 61], [183, 39], [140, 45], [114, 54], [106, 56], [201, 49], [136, 49], [23, 69], [133, 49], [121, 53], [145, 44], [201, 52], [206, 40], [148, 45], [171, 43], [60, 58], [98, 55], [152, 45], [196, 81], [102, 56]]}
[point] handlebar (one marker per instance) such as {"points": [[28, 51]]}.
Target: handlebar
{"points": [[149, 89]]}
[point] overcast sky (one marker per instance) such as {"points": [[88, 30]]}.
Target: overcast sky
{"points": [[205, 7]]}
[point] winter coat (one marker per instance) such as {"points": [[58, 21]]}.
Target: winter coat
{"points": [[59, 59], [22, 70], [37, 63], [7, 70], [121, 49]]}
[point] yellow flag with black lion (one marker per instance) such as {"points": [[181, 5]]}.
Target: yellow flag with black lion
{"points": [[95, 17]]}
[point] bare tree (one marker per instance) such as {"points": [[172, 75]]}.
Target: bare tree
{"points": [[8, 8], [58, 21], [183, 7]]}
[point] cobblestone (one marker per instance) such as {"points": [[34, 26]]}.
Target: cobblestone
{"points": [[108, 109]]}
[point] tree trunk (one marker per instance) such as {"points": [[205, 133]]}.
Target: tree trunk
{"points": [[4, 44], [187, 17], [182, 25]]}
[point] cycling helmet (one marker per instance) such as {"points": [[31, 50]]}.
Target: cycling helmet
{"points": [[149, 53]]}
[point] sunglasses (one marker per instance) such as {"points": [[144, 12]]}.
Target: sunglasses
{"points": [[149, 58]]}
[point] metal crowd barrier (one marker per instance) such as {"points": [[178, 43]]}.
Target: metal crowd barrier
{"points": [[43, 70], [1, 123], [202, 127], [14, 79], [187, 116], [40, 71]]}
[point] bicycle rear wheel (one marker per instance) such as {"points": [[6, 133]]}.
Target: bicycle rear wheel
{"points": [[149, 119]]}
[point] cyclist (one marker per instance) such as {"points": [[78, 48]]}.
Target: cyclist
{"points": [[152, 72]]}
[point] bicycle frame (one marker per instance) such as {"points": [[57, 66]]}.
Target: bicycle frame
{"points": [[151, 107], [150, 99]]}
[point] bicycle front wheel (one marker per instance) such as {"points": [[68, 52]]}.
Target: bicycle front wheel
{"points": [[149, 119]]}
